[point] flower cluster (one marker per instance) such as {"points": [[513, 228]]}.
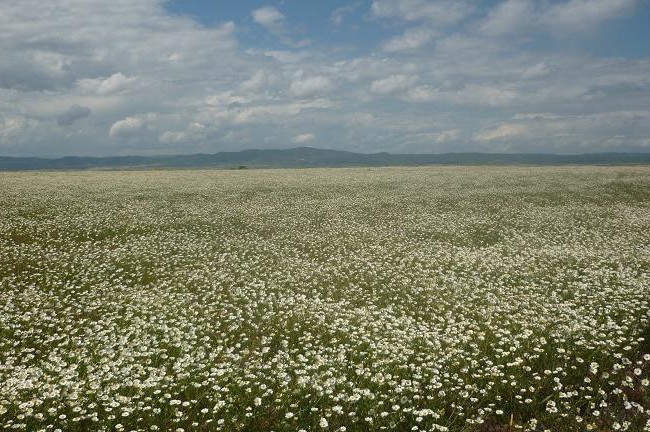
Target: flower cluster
{"points": [[419, 299]]}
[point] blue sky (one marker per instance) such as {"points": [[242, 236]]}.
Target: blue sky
{"points": [[625, 35], [90, 77]]}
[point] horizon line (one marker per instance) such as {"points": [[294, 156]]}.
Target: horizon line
{"points": [[162, 155]]}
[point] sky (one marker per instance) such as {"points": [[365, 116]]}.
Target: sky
{"points": [[124, 77]]}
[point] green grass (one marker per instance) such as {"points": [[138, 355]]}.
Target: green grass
{"points": [[399, 299]]}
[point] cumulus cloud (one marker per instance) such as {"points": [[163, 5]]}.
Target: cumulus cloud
{"points": [[127, 127], [172, 137], [508, 17], [195, 131], [11, 128], [424, 93], [536, 116], [450, 67], [490, 95], [311, 86], [448, 136], [468, 95], [275, 22], [569, 133], [288, 56], [502, 132], [303, 138], [585, 14], [411, 39], [538, 70], [226, 99], [339, 14], [392, 84], [361, 119], [26, 70], [257, 82], [273, 112], [72, 114], [436, 11], [523, 16], [270, 18], [63, 42], [116, 83]]}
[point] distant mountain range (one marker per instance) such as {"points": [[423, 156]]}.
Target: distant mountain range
{"points": [[305, 157]]}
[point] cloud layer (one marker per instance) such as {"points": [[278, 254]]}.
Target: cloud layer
{"points": [[91, 77]]}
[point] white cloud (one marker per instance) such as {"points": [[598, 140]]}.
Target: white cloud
{"points": [[361, 119], [131, 126], [62, 42], [288, 56], [392, 84], [257, 82], [509, 16], [338, 15], [11, 128], [127, 127], [538, 70], [311, 86], [526, 16], [303, 138], [502, 132], [265, 114], [270, 18], [536, 116], [575, 15], [171, 137], [570, 133], [423, 93], [226, 99], [72, 114], [436, 11], [115, 59], [448, 136], [468, 95], [411, 39], [275, 22], [194, 131], [494, 96], [116, 83]]}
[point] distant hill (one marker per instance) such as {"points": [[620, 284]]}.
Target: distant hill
{"points": [[304, 157]]}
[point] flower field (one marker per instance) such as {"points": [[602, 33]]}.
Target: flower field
{"points": [[397, 299]]}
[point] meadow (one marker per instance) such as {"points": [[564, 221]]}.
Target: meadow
{"points": [[370, 299]]}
